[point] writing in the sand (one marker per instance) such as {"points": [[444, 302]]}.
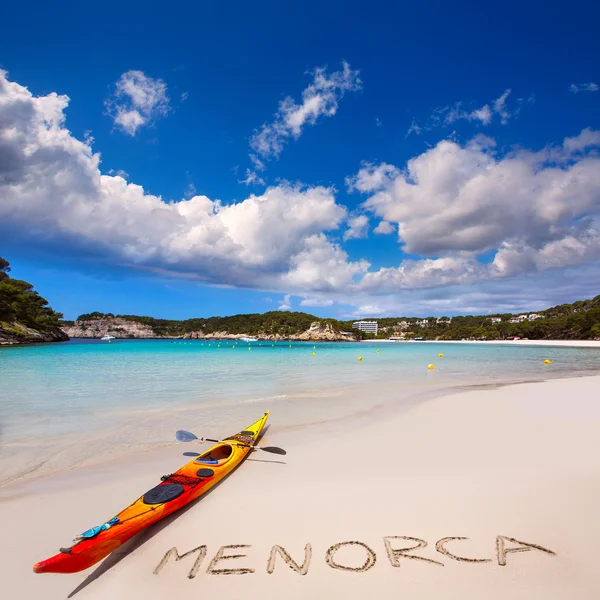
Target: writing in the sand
{"points": [[398, 549]]}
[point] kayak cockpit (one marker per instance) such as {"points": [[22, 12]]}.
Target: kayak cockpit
{"points": [[216, 456]]}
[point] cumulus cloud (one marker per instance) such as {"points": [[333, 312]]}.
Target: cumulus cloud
{"points": [[536, 210], [53, 193], [320, 98], [322, 266], [584, 87], [358, 227], [384, 228], [530, 212], [138, 100], [483, 115]]}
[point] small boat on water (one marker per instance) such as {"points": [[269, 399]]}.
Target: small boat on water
{"points": [[107, 338], [174, 492], [249, 338]]}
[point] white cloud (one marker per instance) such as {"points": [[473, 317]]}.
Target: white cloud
{"points": [[358, 227], [465, 199], [414, 128], [315, 301], [286, 303], [118, 172], [500, 107], [371, 177], [538, 211], [252, 178], [384, 228], [323, 267], [584, 87], [53, 193], [138, 100], [320, 98], [259, 165], [450, 114], [518, 294], [190, 191], [586, 139]]}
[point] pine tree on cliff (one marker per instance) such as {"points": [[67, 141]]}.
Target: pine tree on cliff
{"points": [[20, 303]]}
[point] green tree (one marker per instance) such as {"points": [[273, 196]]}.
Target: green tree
{"points": [[19, 302]]}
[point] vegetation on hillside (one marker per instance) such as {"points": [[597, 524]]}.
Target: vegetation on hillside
{"points": [[283, 323], [20, 303], [580, 320]]}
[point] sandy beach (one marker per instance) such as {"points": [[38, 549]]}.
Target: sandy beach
{"points": [[563, 343], [496, 490]]}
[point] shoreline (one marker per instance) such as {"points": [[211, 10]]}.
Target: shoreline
{"points": [[516, 463], [564, 343], [386, 406]]}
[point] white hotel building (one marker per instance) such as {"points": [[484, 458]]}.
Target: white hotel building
{"points": [[366, 326]]}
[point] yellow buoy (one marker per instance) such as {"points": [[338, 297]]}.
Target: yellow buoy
{"points": [[218, 345], [359, 358], [272, 345], [290, 345], [378, 352], [440, 355], [547, 362], [249, 348], [431, 367], [314, 353]]}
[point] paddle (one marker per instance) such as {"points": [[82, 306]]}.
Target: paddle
{"points": [[187, 436]]}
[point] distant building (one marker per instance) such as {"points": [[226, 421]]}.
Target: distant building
{"points": [[495, 319], [366, 326], [534, 316], [518, 319], [403, 324], [423, 323], [444, 320]]}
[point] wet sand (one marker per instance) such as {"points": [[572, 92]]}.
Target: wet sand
{"points": [[496, 490]]}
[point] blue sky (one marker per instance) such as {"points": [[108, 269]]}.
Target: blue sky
{"points": [[484, 204]]}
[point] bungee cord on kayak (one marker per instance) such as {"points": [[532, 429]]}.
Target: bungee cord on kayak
{"points": [[175, 491]]}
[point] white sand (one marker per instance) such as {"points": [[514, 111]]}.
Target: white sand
{"points": [[520, 461], [565, 343]]}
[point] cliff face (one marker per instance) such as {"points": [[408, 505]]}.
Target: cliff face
{"points": [[115, 326], [124, 328], [16, 333], [318, 332]]}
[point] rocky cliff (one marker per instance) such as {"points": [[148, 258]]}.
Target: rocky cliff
{"points": [[115, 326], [317, 332], [16, 333], [128, 328]]}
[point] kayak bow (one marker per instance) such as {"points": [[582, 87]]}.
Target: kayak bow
{"points": [[174, 492]]}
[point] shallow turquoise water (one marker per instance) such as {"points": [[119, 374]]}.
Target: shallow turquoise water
{"points": [[59, 390], [81, 377]]}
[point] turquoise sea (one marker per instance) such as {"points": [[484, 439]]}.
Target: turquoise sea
{"points": [[70, 403]]}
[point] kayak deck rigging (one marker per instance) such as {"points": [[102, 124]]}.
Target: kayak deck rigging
{"points": [[174, 491]]}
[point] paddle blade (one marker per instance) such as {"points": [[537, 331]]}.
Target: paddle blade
{"points": [[185, 436], [272, 449]]}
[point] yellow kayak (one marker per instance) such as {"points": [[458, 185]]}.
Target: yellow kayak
{"points": [[175, 491]]}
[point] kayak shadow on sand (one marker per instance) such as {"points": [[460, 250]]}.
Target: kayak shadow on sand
{"points": [[141, 538]]}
